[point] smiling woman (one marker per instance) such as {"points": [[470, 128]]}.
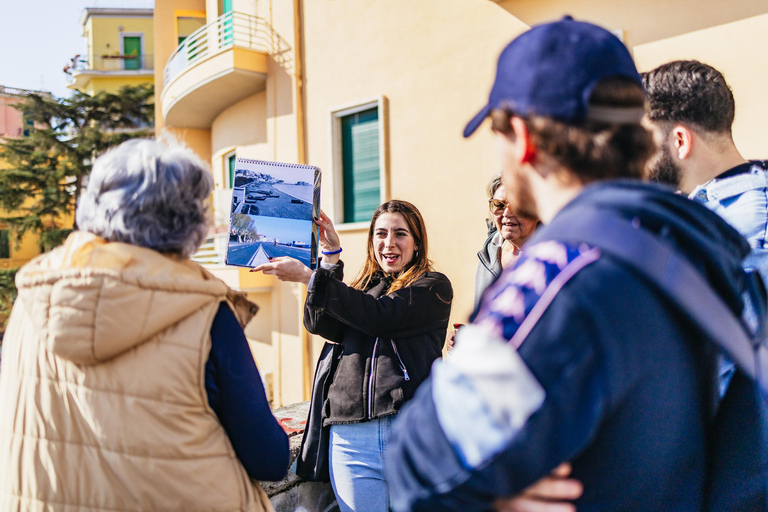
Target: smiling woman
{"points": [[509, 230], [385, 330]]}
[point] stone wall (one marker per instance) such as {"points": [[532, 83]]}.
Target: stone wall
{"points": [[293, 494]]}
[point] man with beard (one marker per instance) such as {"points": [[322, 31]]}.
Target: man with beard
{"points": [[691, 110], [575, 354]]}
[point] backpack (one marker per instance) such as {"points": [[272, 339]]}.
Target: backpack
{"points": [[737, 476]]}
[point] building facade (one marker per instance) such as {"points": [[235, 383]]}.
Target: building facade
{"points": [[13, 125], [119, 50], [376, 94]]}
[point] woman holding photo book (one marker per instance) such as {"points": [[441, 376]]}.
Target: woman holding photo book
{"points": [[385, 330]]}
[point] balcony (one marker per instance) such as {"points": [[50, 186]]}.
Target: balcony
{"points": [[82, 69], [218, 65]]}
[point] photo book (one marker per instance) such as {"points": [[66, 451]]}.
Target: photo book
{"points": [[273, 205]]}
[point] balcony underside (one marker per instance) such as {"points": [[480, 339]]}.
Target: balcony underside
{"points": [[79, 79], [195, 97]]}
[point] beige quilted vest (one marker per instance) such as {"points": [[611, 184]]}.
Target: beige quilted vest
{"points": [[102, 389]]}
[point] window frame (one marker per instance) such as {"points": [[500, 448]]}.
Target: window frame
{"points": [[336, 153]]}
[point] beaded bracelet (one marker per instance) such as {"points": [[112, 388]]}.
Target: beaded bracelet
{"points": [[329, 253]]}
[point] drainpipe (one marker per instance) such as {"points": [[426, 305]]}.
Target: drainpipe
{"points": [[301, 143]]}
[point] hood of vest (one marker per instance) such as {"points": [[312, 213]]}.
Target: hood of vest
{"points": [[93, 300]]}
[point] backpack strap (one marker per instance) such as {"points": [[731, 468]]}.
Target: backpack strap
{"points": [[679, 281]]}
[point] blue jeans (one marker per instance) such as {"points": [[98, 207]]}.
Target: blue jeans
{"points": [[357, 465]]}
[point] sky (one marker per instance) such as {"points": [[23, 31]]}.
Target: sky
{"points": [[39, 37]]}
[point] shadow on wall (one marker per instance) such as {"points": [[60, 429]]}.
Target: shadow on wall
{"points": [[280, 83], [642, 21]]}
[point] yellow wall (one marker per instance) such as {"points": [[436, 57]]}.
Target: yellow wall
{"points": [[104, 34], [164, 29], [112, 84], [727, 35], [742, 61], [187, 25], [103, 39], [433, 61], [642, 21], [435, 65]]}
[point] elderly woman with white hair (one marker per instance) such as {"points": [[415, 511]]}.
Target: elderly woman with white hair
{"points": [[127, 382]]}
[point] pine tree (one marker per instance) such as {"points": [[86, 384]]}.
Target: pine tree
{"points": [[47, 169]]}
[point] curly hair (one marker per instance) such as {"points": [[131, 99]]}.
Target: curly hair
{"points": [[690, 93], [592, 150]]}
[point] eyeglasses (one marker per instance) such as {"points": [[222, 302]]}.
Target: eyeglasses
{"points": [[497, 206]]}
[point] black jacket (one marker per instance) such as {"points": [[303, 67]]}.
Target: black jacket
{"points": [[389, 341]]}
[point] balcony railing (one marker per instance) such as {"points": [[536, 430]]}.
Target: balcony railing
{"points": [[213, 252], [15, 91], [109, 63], [231, 30]]}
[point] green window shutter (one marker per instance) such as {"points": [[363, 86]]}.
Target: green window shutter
{"points": [[360, 164], [132, 46], [5, 244], [231, 166], [226, 37]]}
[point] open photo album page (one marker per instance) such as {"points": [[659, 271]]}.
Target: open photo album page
{"points": [[273, 205]]}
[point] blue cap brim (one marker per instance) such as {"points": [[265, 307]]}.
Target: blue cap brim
{"points": [[477, 121]]}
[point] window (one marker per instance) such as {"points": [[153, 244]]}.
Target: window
{"points": [[5, 244], [186, 26], [359, 161], [27, 124], [226, 29], [229, 169]]}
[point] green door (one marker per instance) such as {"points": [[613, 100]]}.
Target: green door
{"points": [[132, 52]]}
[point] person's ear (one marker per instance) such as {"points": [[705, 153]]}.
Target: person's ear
{"points": [[682, 141], [525, 152]]}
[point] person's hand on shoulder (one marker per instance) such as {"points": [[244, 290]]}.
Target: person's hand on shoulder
{"points": [[286, 269], [553, 493]]}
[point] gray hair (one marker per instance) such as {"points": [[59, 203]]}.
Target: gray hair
{"points": [[146, 193], [493, 185]]}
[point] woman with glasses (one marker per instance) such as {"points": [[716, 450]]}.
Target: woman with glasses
{"points": [[508, 232]]}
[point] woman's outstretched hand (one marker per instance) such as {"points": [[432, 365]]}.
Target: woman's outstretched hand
{"points": [[329, 239], [286, 269]]}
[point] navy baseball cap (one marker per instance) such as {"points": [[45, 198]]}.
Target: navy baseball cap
{"points": [[551, 70]]}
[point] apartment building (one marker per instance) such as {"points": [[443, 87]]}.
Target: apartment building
{"points": [[119, 47], [376, 94]]}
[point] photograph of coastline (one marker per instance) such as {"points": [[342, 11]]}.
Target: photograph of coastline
{"points": [[272, 209]]}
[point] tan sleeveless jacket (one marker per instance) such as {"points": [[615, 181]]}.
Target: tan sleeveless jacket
{"points": [[102, 387]]}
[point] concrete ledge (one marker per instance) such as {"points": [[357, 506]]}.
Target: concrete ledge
{"points": [[293, 494]]}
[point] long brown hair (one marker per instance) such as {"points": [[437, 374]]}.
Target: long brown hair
{"points": [[414, 268]]}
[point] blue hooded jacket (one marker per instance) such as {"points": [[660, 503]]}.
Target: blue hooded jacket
{"points": [[607, 374]]}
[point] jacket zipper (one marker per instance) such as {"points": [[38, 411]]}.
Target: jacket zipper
{"points": [[400, 359], [370, 380]]}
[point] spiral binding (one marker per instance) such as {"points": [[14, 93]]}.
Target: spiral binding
{"points": [[276, 164]]}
